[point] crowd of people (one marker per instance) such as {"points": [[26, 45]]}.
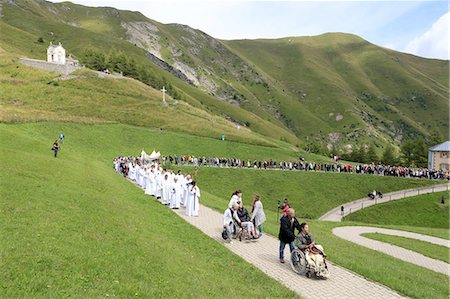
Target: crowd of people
{"points": [[178, 190], [302, 165], [175, 190]]}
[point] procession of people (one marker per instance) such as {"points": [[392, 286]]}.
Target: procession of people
{"points": [[178, 190], [175, 190]]}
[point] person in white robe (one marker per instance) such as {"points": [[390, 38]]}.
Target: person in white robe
{"points": [[137, 172], [151, 182], [175, 193], [145, 178], [186, 184], [182, 182], [159, 178], [166, 184], [132, 172], [192, 206]]}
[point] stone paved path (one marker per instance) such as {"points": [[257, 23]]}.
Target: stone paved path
{"points": [[350, 207], [353, 234], [263, 254]]}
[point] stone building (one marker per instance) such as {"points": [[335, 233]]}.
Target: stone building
{"points": [[439, 156]]}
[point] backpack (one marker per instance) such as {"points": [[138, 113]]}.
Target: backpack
{"points": [[224, 234]]}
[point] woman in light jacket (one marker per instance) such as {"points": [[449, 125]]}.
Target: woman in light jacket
{"points": [[258, 216]]}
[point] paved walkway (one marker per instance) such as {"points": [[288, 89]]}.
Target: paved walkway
{"points": [[350, 207], [263, 254], [353, 234]]}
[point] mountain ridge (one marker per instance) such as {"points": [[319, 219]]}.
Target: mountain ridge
{"points": [[334, 89]]}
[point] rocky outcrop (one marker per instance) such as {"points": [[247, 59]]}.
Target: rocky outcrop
{"points": [[167, 67]]}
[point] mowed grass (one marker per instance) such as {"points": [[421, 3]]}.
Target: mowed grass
{"points": [[428, 249], [72, 227], [422, 210], [311, 194]]}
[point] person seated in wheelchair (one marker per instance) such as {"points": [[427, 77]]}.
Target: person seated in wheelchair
{"points": [[314, 254], [230, 220], [248, 229]]}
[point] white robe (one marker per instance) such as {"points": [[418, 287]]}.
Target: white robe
{"points": [[192, 205], [175, 195], [158, 191], [150, 189], [165, 195], [137, 175], [132, 173], [142, 180], [182, 182], [185, 191]]}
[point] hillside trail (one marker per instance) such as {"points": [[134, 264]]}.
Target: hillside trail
{"points": [[356, 205]]}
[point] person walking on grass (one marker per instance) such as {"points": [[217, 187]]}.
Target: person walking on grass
{"points": [[258, 215], [288, 224], [55, 148]]}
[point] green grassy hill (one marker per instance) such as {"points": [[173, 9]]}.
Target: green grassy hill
{"points": [[77, 227], [422, 210], [71, 226], [334, 88]]}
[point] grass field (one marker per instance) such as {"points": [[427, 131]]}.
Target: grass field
{"points": [[422, 210], [311, 194], [431, 250], [71, 226]]}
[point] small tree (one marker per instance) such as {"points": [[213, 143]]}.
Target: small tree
{"points": [[371, 155], [389, 155], [414, 152], [40, 40], [435, 138]]}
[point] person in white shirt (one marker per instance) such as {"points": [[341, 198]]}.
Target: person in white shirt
{"points": [[258, 215], [229, 216], [235, 197]]}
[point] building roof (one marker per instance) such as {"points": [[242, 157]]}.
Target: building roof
{"points": [[443, 147]]}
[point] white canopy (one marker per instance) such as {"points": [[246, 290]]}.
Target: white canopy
{"points": [[144, 155], [154, 155]]}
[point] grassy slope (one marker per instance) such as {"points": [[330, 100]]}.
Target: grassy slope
{"points": [[332, 69], [19, 38], [311, 194], [106, 238], [425, 248], [423, 210], [87, 155]]}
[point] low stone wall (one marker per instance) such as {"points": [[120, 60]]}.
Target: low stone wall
{"points": [[50, 67]]}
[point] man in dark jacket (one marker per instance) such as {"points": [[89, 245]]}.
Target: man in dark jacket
{"points": [[288, 224]]}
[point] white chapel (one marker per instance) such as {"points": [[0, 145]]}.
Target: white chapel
{"points": [[56, 53]]}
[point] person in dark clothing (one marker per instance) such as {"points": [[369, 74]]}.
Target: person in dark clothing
{"points": [[245, 219], [55, 148], [288, 224]]}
